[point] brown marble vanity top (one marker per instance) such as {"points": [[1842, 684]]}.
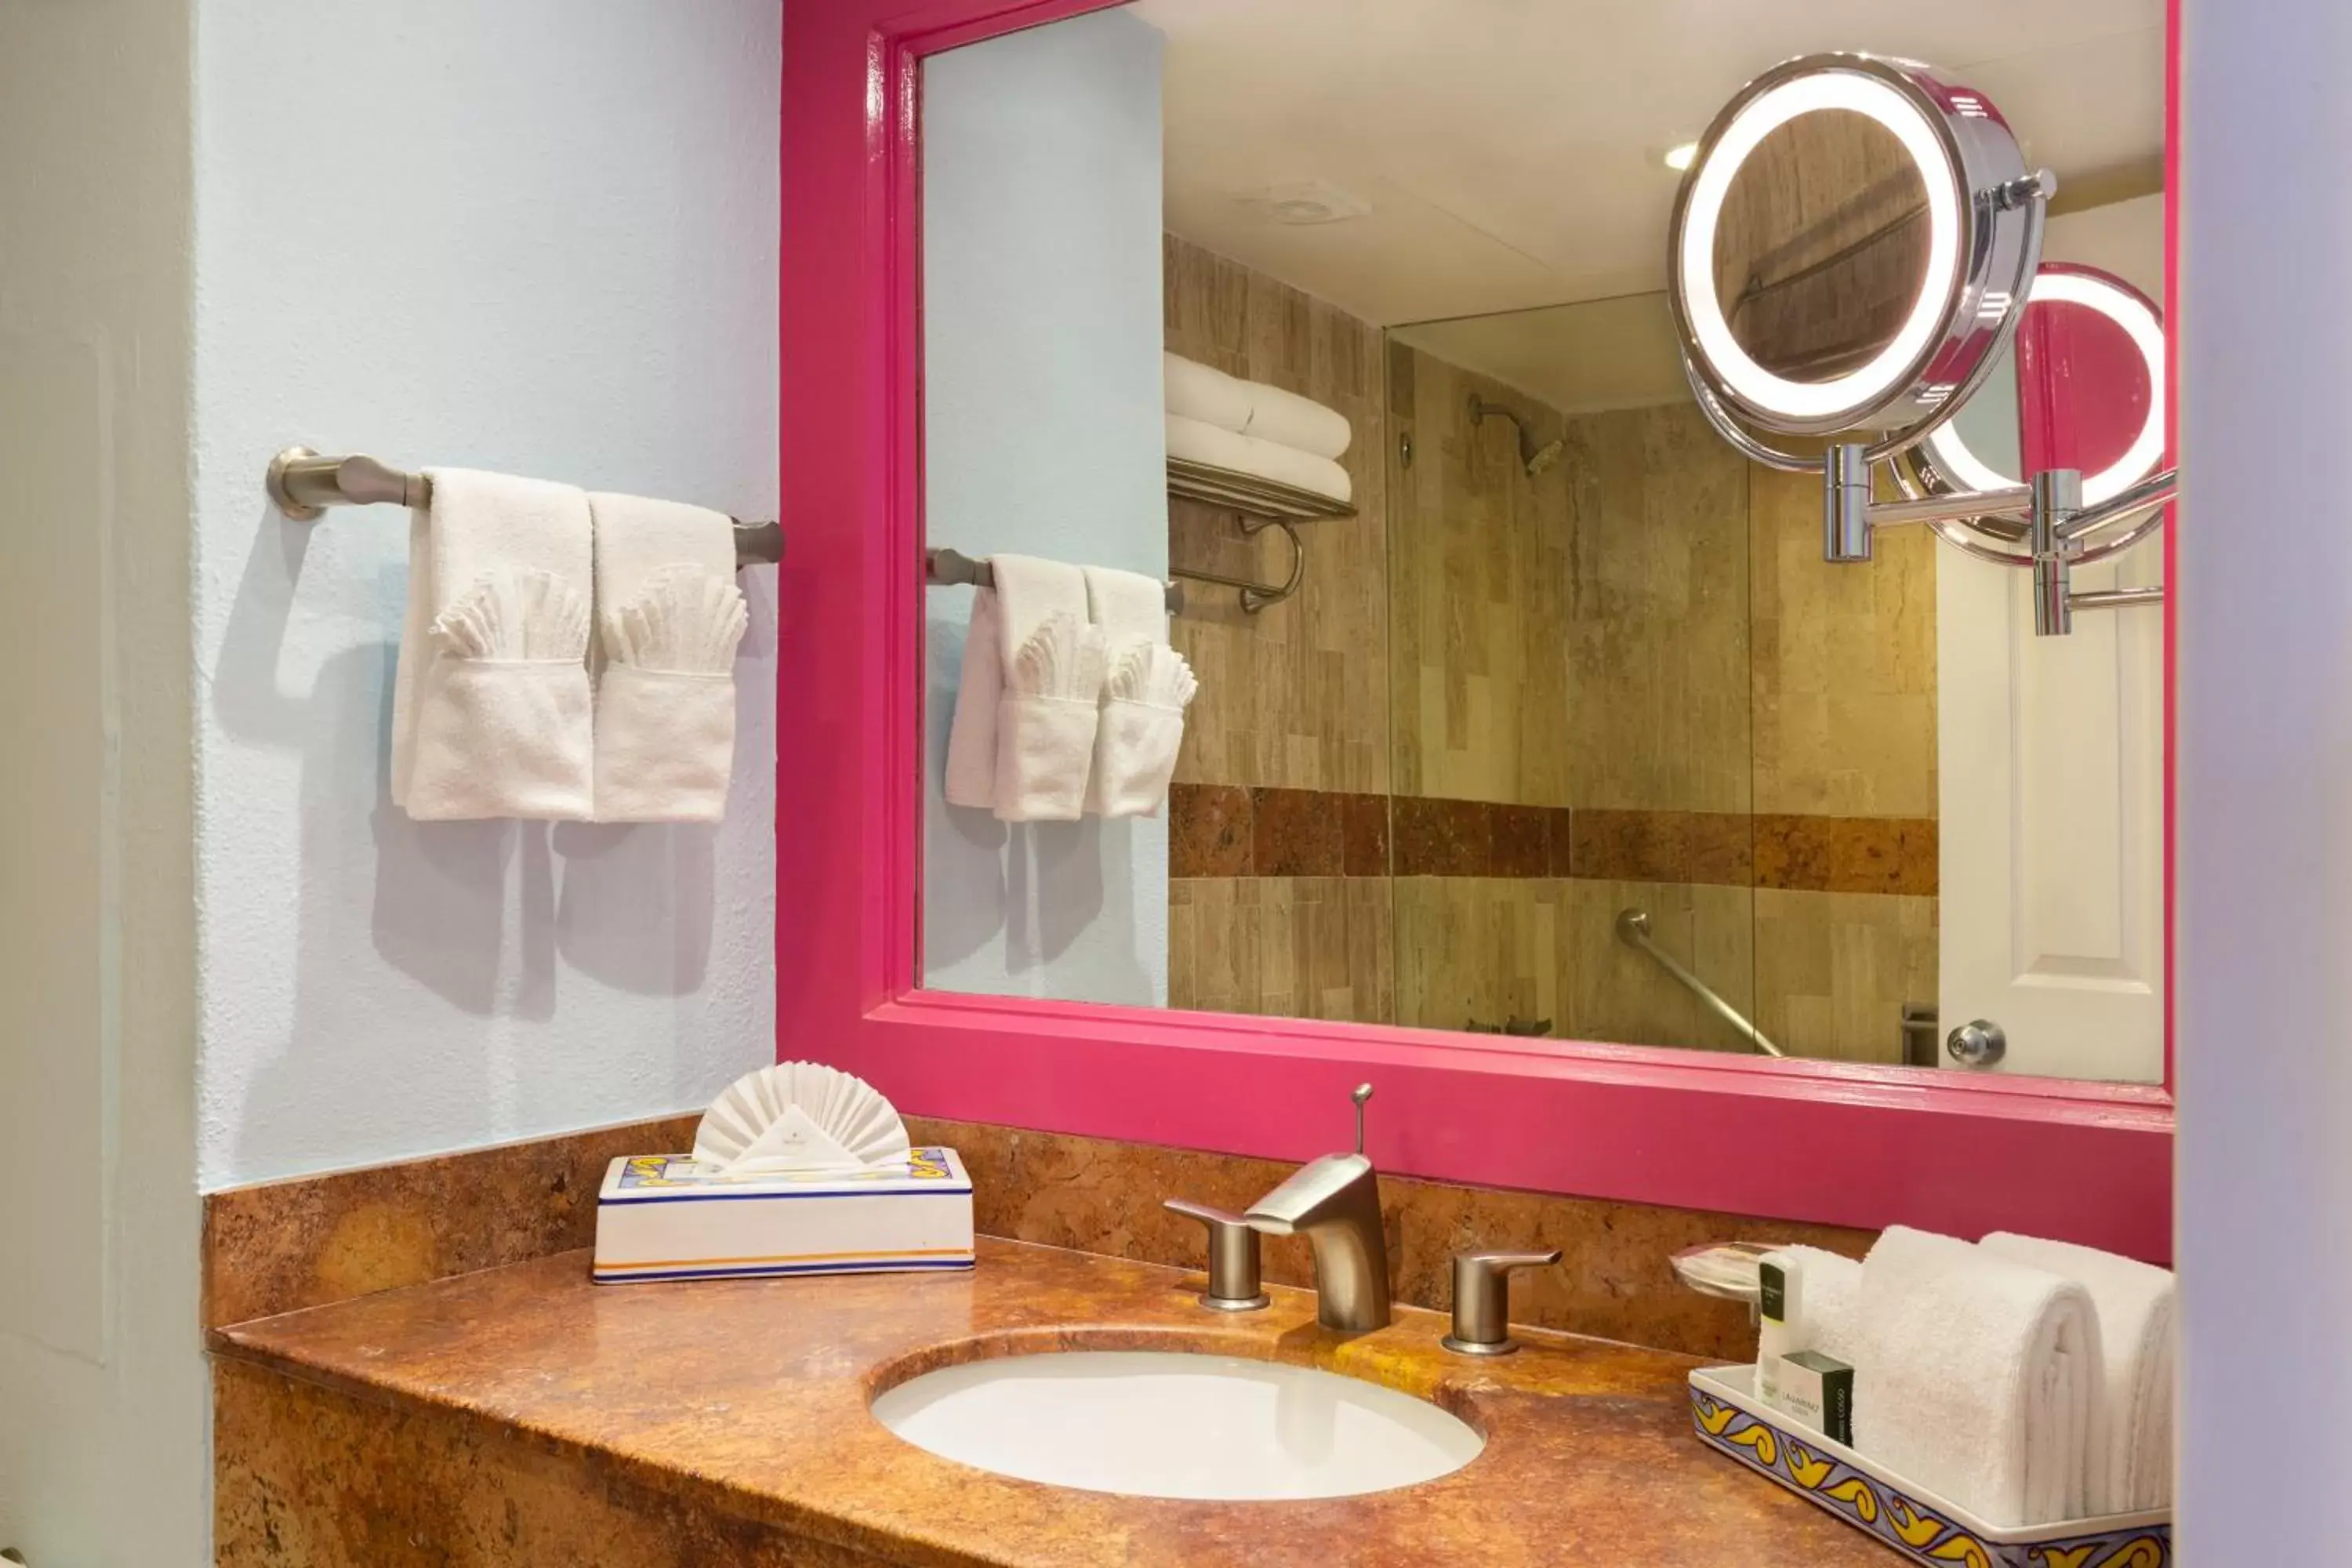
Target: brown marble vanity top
{"points": [[748, 1399]]}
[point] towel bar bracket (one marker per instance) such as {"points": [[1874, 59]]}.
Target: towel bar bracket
{"points": [[1256, 596], [302, 484]]}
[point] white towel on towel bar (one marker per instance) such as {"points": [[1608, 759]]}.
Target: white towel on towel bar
{"points": [[1144, 696], [668, 616], [490, 702], [1026, 710]]}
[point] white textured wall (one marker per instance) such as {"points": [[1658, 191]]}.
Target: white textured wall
{"points": [[2263, 875], [533, 236], [1043, 437], [102, 1452]]}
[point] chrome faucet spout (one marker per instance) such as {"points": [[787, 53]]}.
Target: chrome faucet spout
{"points": [[1334, 1203]]}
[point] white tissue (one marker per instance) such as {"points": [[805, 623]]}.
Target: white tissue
{"points": [[799, 1116]]}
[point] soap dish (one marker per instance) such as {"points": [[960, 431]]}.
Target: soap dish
{"points": [[1725, 1270], [1729, 1418]]}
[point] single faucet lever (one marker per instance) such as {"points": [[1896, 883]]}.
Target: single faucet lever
{"points": [[1335, 1204], [1482, 1300], [1233, 1257], [1363, 1091]]}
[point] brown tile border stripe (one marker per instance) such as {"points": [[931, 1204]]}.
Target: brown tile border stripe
{"points": [[1847, 853], [1223, 831], [309, 1240]]}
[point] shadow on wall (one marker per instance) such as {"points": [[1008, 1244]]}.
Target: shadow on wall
{"points": [[486, 915]]}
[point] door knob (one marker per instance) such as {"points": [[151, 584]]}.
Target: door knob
{"points": [[1978, 1044]]}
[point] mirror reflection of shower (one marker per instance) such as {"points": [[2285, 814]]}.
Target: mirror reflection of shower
{"points": [[1535, 460]]}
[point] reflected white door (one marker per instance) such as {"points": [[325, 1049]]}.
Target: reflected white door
{"points": [[2050, 758]]}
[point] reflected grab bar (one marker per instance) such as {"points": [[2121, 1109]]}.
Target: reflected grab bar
{"points": [[1634, 930]]}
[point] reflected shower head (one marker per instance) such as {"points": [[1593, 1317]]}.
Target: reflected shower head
{"points": [[1533, 458]]}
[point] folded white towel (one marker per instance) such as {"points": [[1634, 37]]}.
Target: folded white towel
{"points": [[490, 704], [1197, 391], [669, 615], [2137, 1337], [1046, 720], [1287, 419], [1022, 739], [1830, 1303], [1197, 441], [1144, 696], [1977, 1378]]}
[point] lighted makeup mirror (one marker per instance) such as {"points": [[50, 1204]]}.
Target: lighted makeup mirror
{"points": [[1854, 248]]}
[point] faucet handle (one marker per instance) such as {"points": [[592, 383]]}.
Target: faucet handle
{"points": [[1232, 1257], [1482, 1300]]}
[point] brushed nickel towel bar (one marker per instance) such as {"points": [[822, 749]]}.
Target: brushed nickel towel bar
{"points": [[302, 484], [954, 568]]}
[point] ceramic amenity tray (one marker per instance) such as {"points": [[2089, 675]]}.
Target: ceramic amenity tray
{"points": [[1916, 1523]]}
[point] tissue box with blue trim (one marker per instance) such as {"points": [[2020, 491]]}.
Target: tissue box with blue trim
{"points": [[796, 1169]]}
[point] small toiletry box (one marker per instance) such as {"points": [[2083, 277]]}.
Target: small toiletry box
{"points": [[1918, 1524], [667, 1217]]}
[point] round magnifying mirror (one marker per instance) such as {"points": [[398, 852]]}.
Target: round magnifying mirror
{"points": [[1847, 250], [2080, 387]]}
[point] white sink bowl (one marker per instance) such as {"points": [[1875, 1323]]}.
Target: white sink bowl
{"points": [[1166, 1424]]}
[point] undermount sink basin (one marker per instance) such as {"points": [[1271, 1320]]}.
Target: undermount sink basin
{"points": [[1172, 1424]]}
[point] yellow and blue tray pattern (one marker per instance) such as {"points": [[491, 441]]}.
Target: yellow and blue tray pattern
{"points": [[1912, 1527]]}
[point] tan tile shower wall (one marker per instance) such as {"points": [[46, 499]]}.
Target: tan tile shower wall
{"points": [[1658, 627], [1284, 947], [1845, 663], [1295, 695], [1480, 554]]}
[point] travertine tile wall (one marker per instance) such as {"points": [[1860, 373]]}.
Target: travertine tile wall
{"points": [[1845, 663], [1659, 624], [1296, 695], [1289, 947], [1480, 564]]}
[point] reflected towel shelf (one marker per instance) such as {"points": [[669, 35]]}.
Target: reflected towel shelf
{"points": [[1262, 503]]}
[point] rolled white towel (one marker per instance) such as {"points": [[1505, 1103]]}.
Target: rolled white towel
{"points": [[1287, 419], [1977, 1378], [2137, 1337], [1197, 391], [1197, 441], [1830, 1302]]}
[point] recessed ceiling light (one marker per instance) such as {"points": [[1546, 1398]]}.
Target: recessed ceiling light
{"points": [[1681, 158]]}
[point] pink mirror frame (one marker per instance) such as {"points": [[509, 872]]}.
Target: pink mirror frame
{"points": [[1825, 1142]]}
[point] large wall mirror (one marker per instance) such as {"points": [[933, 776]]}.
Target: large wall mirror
{"points": [[1522, 701]]}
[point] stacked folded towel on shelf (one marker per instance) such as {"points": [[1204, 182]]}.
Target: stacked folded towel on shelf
{"points": [[2028, 1381], [1250, 428], [1071, 703]]}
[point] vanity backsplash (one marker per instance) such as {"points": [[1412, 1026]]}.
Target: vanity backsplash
{"points": [[283, 1246]]}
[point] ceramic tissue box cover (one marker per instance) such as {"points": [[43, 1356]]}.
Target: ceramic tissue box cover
{"points": [[1916, 1523], [670, 1216]]}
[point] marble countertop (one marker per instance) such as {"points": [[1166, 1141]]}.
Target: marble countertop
{"points": [[750, 1397]]}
